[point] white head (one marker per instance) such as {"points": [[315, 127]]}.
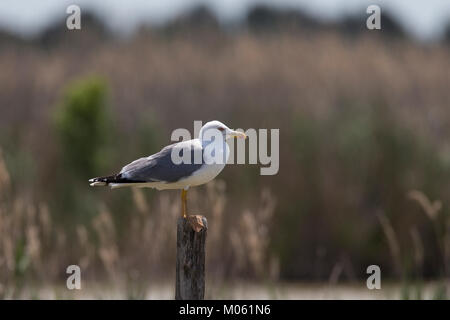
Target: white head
{"points": [[218, 126]]}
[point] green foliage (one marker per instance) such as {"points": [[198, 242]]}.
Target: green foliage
{"points": [[83, 124], [84, 130]]}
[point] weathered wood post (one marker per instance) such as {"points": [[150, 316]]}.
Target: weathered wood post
{"points": [[190, 268]]}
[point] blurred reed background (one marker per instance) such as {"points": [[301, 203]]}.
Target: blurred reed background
{"points": [[364, 156]]}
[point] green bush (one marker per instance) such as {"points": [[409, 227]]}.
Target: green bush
{"points": [[83, 126]]}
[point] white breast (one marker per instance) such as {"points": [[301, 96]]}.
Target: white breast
{"points": [[210, 169]]}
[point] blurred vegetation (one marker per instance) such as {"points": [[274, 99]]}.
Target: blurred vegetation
{"points": [[83, 126], [365, 163], [364, 127]]}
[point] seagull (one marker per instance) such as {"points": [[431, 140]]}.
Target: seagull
{"points": [[203, 159]]}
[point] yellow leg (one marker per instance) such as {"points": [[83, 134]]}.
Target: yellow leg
{"points": [[184, 203], [196, 221]]}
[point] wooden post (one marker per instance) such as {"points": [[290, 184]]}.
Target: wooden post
{"points": [[190, 269]]}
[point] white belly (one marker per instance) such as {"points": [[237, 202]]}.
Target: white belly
{"points": [[205, 174]]}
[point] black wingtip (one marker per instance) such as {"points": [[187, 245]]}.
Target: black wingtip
{"points": [[104, 181]]}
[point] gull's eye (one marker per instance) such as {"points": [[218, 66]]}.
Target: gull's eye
{"points": [[221, 129]]}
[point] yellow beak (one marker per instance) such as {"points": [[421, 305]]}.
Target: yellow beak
{"points": [[238, 134]]}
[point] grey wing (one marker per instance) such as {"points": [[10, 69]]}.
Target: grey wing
{"points": [[160, 167]]}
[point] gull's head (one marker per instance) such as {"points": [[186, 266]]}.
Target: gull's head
{"points": [[214, 128]]}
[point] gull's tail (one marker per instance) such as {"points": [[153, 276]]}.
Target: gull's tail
{"points": [[104, 181]]}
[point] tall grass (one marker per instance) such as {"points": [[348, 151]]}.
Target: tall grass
{"points": [[409, 261]]}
